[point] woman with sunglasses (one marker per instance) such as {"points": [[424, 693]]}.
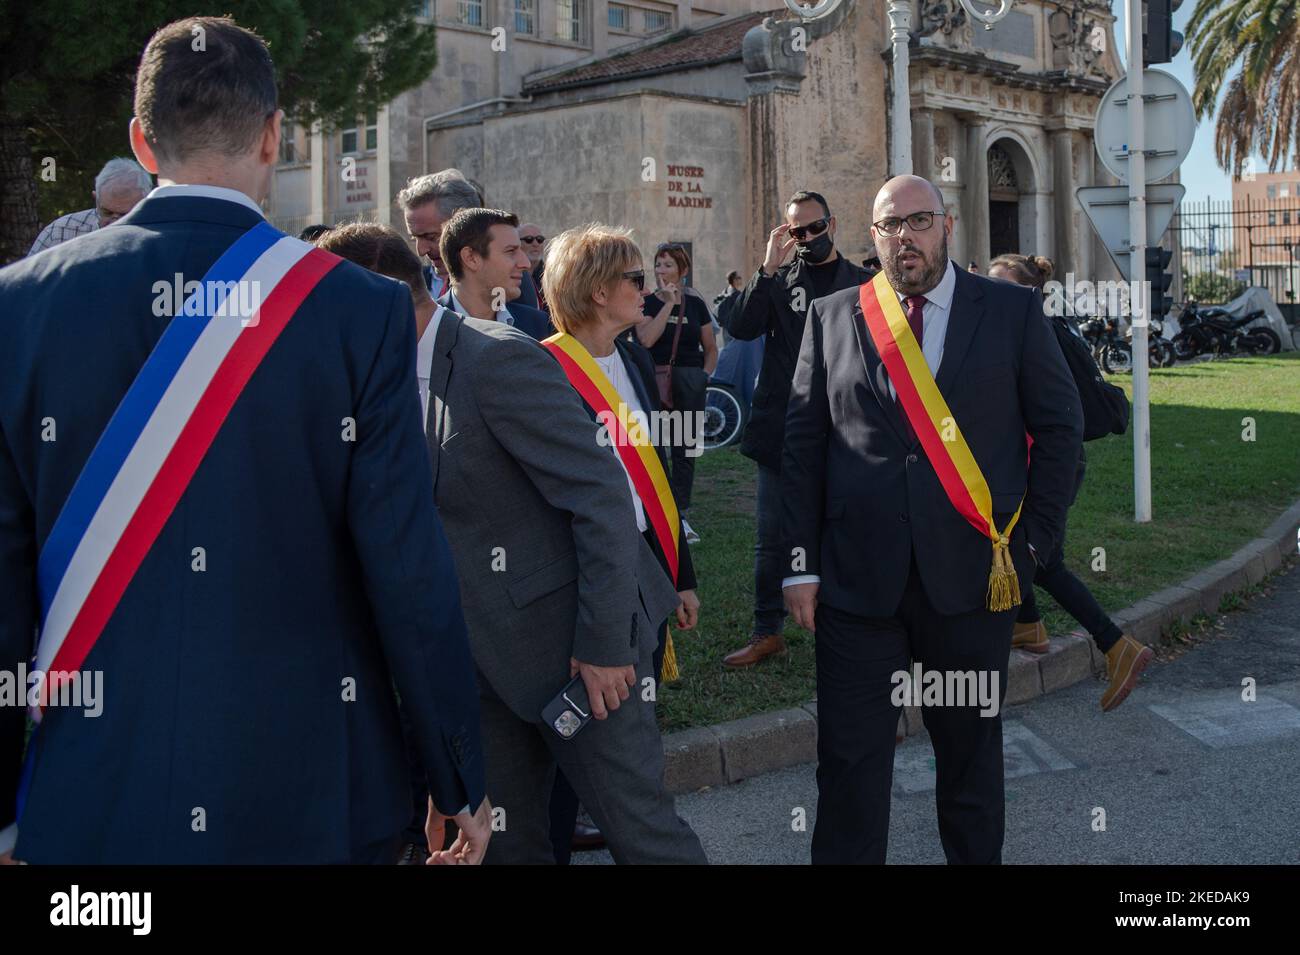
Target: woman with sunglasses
{"points": [[594, 281], [679, 335]]}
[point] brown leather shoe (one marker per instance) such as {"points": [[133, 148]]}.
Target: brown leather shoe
{"points": [[1125, 662], [1031, 637], [760, 647]]}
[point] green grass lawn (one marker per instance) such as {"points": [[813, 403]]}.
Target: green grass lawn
{"points": [[1212, 491]]}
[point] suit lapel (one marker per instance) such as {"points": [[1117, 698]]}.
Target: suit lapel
{"points": [[439, 375], [877, 377], [964, 315]]}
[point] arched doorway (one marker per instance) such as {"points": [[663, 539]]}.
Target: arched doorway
{"points": [[1004, 203]]}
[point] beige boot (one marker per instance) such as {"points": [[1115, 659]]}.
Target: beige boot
{"points": [[1125, 662], [1030, 636]]}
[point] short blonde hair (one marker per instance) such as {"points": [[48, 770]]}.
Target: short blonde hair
{"points": [[578, 262]]}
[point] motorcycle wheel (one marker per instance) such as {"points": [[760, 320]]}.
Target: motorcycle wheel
{"points": [[1117, 359], [1184, 348], [1263, 341]]}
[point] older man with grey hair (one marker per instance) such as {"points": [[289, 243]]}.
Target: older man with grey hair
{"points": [[427, 202], [119, 186]]}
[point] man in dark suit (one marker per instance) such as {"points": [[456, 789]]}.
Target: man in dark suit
{"points": [[487, 263], [773, 307], [302, 575], [880, 562]]}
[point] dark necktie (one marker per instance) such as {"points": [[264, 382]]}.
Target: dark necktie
{"points": [[916, 321]]}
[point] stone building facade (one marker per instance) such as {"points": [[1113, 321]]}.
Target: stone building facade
{"points": [[699, 133]]}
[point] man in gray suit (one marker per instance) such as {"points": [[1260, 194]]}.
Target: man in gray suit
{"points": [[556, 580]]}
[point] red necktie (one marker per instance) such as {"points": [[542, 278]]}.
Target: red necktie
{"points": [[915, 320]]}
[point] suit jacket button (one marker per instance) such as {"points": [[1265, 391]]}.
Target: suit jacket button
{"points": [[911, 459], [903, 518]]}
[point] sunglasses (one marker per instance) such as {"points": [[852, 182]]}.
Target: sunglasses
{"points": [[637, 278], [801, 232], [533, 239]]}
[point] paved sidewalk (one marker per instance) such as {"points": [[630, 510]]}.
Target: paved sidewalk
{"points": [[1185, 770]]}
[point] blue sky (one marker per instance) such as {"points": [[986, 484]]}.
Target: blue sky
{"points": [[1200, 173]]}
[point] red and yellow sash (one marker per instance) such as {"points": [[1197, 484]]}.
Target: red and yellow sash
{"points": [[630, 441], [929, 416]]}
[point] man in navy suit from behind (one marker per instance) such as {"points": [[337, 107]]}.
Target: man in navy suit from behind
{"points": [[248, 710]]}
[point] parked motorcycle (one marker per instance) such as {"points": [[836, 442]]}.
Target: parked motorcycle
{"points": [[1211, 330]]}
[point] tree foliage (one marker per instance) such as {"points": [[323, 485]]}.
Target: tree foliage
{"points": [[1260, 113], [67, 71]]}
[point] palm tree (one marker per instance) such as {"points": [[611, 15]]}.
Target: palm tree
{"points": [[1261, 104]]}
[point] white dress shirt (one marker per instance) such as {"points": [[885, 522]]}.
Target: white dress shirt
{"points": [[207, 192], [616, 371], [502, 316], [934, 329]]}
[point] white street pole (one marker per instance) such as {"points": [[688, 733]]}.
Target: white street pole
{"points": [[900, 160], [1137, 217]]}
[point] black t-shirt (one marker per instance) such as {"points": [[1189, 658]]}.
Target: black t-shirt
{"points": [[821, 277], [690, 353]]}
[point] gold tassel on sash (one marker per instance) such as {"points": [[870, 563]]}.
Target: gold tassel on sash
{"points": [[1004, 585], [670, 673]]}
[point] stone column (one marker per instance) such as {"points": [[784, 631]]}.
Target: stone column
{"points": [[976, 213], [1063, 184], [599, 27], [318, 173], [923, 144], [900, 126]]}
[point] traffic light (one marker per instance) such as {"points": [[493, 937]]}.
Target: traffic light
{"points": [[1160, 41], [1158, 282]]}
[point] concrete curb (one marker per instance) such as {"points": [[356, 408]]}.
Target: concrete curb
{"points": [[729, 752]]}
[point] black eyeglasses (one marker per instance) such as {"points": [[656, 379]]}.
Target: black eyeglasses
{"points": [[917, 222], [637, 278], [801, 232], [533, 239]]}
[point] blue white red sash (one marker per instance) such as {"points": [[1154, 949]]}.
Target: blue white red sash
{"points": [[157, 437]]}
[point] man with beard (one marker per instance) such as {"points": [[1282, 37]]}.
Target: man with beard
{"points": [[912, 519], [773, 307]]}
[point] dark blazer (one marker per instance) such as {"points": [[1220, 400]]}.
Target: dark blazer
{"points": [[539, 516], [325, 561], [533, 322], [861, 500], [641, 369], [764, 309]]}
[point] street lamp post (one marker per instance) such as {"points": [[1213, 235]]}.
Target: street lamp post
{"points": [[900, 22]]}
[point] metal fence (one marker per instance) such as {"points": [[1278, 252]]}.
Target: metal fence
{"points": [[1225, 246]]}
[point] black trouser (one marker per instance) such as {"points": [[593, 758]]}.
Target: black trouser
{"points": [[1075, 599], [857, 720], [769, 568], [690, 389]]}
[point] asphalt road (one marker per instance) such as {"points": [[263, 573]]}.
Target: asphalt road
{"points": [[1185, 770]]}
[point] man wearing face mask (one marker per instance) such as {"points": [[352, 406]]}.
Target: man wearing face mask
{"points": [[773, 306]]}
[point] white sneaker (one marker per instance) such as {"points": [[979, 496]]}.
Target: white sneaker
{"points": [[691, 536]]}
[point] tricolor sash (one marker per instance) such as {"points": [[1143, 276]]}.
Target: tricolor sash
{"points": [[928, 414], [157, 437], [630, 440]]}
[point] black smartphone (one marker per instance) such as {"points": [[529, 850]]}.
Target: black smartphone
{"points": [[570, 711]]}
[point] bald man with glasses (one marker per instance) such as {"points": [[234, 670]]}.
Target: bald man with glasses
{"points": [[913, 517]]}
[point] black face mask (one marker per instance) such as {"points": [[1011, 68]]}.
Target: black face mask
{"points": [[816, 249]]}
